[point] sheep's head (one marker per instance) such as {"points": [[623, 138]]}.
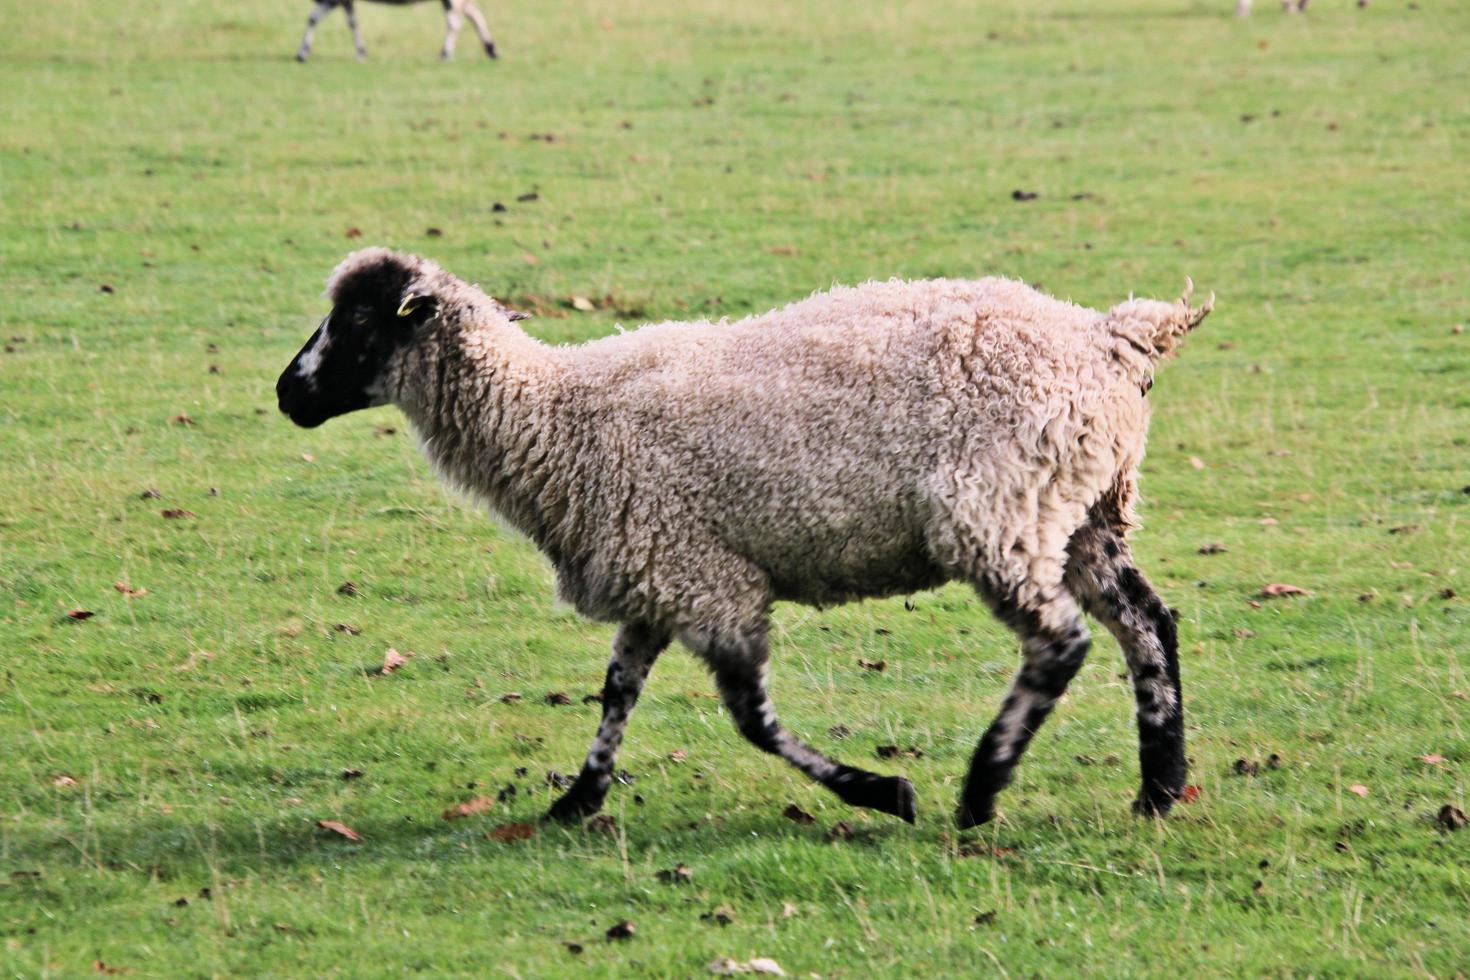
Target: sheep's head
{"points": [[380, 302]]}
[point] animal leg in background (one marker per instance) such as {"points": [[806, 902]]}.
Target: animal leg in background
{"points": [[452, 22], [635, 648], [321, 10], [356, 34], [481, 28]]}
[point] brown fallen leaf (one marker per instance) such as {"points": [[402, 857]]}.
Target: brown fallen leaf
{"points": [[720, 915], [1246, 767], [679, 874], [176, 514], [782, 250], [354, 233], [798, 815], [1450, 818], [573, 948], [839, 732], [349, 589], [893, 752], [678, 755], [339, 828], [128, 591], [1189, 794], [1196, 462], [434, 232], [63, 780], [469, 808], [351, 773], [1358, 789], [181, 419], [1276, 589], [874, 665], [582, 303], [511, 832], [347, 628], [1213, 548], [80, 614], [727, 966], [510, 697], [150, 494], [604, 823], [1433, 758], [392, 660], [100, 967], [557, 699], [622, 930], [841, 830]]}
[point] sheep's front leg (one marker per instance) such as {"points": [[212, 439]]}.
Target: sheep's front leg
{"points": [[740, 673], [481, 28], [356, 33], [321, 10], [635, 648], [1054, 642], [1100, 571]]}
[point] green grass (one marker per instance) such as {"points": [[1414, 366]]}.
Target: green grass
{"points": [[714, 159]]}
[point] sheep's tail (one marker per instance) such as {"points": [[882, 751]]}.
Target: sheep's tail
{"points": [[1154, 328]]}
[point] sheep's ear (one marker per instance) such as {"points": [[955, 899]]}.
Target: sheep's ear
{"points": [[417, 304]]}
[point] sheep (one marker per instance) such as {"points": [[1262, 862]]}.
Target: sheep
{"points": [[454, 13], [868, 441], [1243, 7]]}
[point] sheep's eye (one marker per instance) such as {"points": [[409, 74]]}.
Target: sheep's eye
{"points": [[360, 317]]}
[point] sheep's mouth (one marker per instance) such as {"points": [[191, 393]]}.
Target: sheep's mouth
{"points": [[298, 409], [306, 421]]}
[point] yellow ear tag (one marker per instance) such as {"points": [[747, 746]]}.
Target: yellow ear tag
{"points": [[409, 305]]}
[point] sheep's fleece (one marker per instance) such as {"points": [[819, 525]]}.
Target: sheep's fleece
{"points": [[867, 441]]}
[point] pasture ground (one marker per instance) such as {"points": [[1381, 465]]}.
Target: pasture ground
{"points": [[173, 190]]}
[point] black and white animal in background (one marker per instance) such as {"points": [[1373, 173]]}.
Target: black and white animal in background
{"points": [[868, 441], [455, 11]]}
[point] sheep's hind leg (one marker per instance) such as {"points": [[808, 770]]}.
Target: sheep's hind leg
{"points": [[452, 21], [1100, 572], [1054, 642], [481, 28], [356, 32], [740, 672], [321, 10], [635, 648]]}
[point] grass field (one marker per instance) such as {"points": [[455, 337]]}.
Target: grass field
{"points": [[173, 190]]}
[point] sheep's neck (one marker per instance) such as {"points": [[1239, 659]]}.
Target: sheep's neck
{"points": [[490, 414]]}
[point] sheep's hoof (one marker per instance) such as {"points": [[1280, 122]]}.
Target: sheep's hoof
{"points": [[886, 794], [1155, 804], [967, 816], [490, 49], [301, 57], [574, 807]]}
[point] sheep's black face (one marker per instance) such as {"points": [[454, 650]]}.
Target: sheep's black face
{"points": [[344, 366]]}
